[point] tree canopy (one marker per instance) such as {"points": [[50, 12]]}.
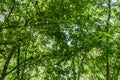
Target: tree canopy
{"points": [[59, 39]]}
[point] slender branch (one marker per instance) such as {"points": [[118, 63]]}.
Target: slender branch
{"points": [[18, 62], [7, 63], [24, 66], [19, 65], [107, 29], [73, 62], [109, 9], [79, 73]]}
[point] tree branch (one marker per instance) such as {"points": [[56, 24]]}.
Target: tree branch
{"points": [[7, 63], [19, 65]]}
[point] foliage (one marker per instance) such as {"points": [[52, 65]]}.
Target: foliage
{"points": [[59, 39]]}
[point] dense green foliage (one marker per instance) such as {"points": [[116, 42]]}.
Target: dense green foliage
{"points": [[59, 40]]}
